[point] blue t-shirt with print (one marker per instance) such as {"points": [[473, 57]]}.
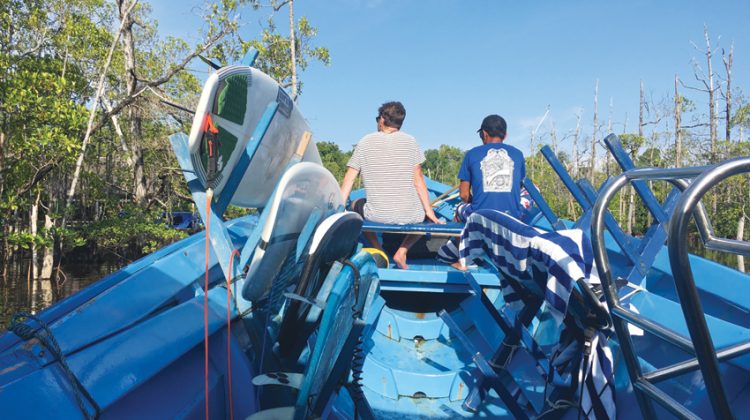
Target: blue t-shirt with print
{"points": [[495, 172]]}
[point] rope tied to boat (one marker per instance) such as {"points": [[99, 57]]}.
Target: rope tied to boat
{"points": [[229, 329], [209, 197], [20, 327]]}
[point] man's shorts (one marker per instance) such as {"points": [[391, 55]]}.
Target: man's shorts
{"points": [[463, 211], [358, 206]]}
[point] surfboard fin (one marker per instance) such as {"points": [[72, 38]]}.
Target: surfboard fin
{"points": [[209, 62], [293, 380], [309, 301]]}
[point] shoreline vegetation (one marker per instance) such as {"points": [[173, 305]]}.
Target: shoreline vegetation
{"points": [[87, 95]]}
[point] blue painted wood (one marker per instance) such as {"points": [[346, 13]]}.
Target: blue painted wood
{"points": [[652, 243], [541, 203], [641, 187], [68, 304], [566, 179], [627, 243], [438, 274], [488, 374], [453, 229], [115, 366], [249, 58]]}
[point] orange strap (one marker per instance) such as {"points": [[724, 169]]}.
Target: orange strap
{"points": [[208, 126]]}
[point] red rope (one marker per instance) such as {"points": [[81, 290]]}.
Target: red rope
{"points": [[229, 331], [205, 300]]}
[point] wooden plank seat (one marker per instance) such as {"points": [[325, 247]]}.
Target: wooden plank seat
{"points": [[428, 229]]}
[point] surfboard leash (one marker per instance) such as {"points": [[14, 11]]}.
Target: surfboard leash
{"points": [[209, 196], [229, 330]]}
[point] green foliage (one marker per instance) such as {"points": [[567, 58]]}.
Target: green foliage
{"points": [[51, 56], [632, 143], [551, 187], [275, 52], [742, 116], [131, 232], [273, 45], [442, 164], [686, 104], [333, 158], [233, 212]]}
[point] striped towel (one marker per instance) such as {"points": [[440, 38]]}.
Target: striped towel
{"points": [[598, 397], [546, 263]]}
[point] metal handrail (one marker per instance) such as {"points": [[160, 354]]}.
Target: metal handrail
{"points": [[685, 283], [622, 316]]}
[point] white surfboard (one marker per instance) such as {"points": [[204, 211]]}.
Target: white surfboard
{"points": [[232, 104], [305, 189]]}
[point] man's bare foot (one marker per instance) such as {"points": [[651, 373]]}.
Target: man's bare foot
{"points": [[400, 259], [458, 266]]}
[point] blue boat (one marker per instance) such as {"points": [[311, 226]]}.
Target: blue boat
{"points": [[285, 314], [181, 220]]}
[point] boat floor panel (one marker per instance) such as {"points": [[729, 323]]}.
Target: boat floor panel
{"points": [[431, 408]]}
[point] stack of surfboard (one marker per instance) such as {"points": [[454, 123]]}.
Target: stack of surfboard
{"points": [[232, 115]]}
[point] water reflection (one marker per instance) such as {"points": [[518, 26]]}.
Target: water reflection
{"points": [[18, 292]]}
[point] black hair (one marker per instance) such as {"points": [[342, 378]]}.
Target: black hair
{"points": [[393, 114]]}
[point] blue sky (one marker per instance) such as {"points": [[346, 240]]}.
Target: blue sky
{"points": [[453, 62]]}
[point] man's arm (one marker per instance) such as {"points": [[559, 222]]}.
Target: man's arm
{"points": [[464, 190], [348, 182], [424, 196]]}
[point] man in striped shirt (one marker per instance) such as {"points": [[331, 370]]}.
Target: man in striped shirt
{"points": [[390, 162]]}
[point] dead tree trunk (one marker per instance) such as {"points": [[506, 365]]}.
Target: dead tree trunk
{"points": [[641, 107], [575, 146], [92, 114], [740, 237], [48, 256], [677, 124], [293, 49], [120, 135], [728, 95], [631, 190], [711, 99], [2, 160], [131, 82], [631, 210], [553, 136], [4, 252], [593, 136], [609, 131], [33, 227]]}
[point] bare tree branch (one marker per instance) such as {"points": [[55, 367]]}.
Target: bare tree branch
{"points": [[161, 80], [695, 125], [38, 176], [92, 114]]}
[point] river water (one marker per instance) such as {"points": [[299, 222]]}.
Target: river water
{"points": [[18, 292]]}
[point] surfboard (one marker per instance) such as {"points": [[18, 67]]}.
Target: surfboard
{"points": [[306, 192], [232, 105]]}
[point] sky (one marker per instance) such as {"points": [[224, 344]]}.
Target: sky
{"points": [[453, 62]]}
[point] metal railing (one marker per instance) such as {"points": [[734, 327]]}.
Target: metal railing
{"points": [[700, 344]]}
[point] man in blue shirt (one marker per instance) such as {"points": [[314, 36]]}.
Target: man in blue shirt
{"points": [[491, 174]]}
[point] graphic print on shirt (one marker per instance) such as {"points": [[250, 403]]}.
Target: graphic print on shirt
{"points": [[497, 171]]}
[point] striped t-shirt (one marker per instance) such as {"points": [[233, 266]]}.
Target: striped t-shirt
{"points": [[386, 162]]}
